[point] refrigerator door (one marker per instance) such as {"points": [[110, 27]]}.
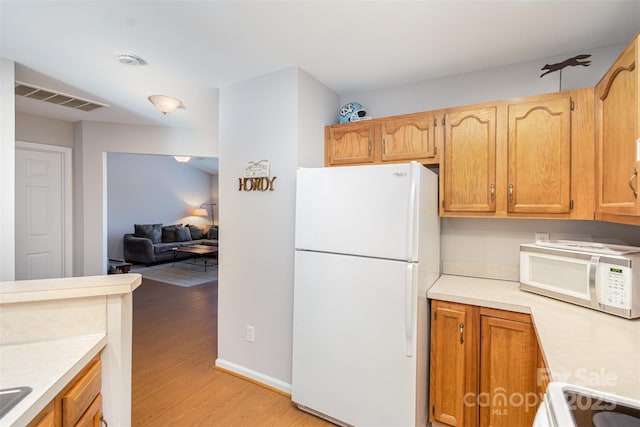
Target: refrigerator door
{"points": [[360, 210], [355, 351]]}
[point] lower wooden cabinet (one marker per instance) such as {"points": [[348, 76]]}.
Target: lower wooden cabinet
{"points": [[485, 367], [79, 404], [46, 417]]}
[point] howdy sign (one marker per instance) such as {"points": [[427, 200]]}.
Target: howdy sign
{"points": [[256, 177]]}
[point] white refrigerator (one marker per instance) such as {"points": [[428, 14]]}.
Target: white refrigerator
{"points": [[367, 242]]}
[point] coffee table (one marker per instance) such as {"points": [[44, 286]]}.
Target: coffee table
{"points": [[200, 251]]}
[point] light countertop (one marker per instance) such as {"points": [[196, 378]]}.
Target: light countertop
{"points": [[52, 328], [581, 346], [45, 366], [69, 287]]}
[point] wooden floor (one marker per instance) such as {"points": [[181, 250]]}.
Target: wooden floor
{"points": [[174, 350]]}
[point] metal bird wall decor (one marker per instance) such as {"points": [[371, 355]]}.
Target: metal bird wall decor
{"points": [[570, 62]]}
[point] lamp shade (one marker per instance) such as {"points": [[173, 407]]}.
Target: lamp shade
{"points": [[164, 104], [200, 212]]}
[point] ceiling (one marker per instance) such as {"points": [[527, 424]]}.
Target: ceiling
{"points": [[193, 48]]}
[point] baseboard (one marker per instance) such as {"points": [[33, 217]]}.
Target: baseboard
{"points": [[259, 378]]}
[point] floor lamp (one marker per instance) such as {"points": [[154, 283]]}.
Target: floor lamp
{"points": [[203, 211]]}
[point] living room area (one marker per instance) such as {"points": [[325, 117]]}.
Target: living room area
{"points": [[162, 217]]}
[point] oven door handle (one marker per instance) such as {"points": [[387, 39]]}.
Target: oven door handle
{"points": [[593, 266]]}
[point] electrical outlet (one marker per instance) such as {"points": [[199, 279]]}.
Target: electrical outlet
{"points": [[251, 333], [542, 237]]}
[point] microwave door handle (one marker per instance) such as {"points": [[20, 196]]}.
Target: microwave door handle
{"points": [[593, 266]]}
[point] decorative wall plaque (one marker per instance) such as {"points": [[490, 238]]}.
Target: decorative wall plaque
{"points": [[256, 177]]}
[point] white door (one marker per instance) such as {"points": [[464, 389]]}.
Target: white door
{"points": [[359, 210], [354, 339], [43, 211]]}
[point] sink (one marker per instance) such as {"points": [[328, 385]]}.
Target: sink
{"points": [[569, 405], [9, 397]]}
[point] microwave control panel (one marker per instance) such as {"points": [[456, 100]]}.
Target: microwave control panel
{"points": [[617, 285]]}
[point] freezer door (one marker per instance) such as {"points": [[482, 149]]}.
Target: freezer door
{"points": [[360, 210], [355, 351]]}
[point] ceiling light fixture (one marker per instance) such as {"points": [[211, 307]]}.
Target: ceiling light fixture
{"points": [[182, 159], [130, 59], [164, 104]]}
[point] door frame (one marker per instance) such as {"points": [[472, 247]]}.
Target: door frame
{"points": [[67, 197]]}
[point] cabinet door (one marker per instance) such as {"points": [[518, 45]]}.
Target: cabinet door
{"points": [[469, 161], [93, 414], [409, 138], [453, 368], [352, 143], [617, 116], [81, 395], [508, 363], [539, 156], [46, 417]]}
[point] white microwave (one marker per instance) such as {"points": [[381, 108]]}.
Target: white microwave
{"points": [[599, 276]]}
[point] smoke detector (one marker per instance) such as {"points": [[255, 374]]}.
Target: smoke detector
{"points": [[130, 59]]}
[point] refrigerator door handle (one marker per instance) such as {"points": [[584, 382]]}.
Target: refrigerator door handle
{"points": [[411, 215], [410, 287]]}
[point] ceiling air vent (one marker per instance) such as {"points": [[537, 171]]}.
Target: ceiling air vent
{"points": [[48, 95]]}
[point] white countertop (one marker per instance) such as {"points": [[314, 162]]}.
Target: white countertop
{"points": [[45, 366], [581, 346], [68, 287], [52, 328]]}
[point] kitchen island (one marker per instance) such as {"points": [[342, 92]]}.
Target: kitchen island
{"points": [[580, 346], [51, 329]]}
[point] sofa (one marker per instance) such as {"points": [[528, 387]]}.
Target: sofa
{"points": [[153, 243]]}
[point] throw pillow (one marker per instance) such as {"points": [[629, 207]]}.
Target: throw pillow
{"points": [[183, 234], [169, 233], [152, 232], [196, 232]]}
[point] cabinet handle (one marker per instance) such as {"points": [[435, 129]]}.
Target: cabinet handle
{"points": [[461, 329], [635, 190], [103, 421], [384, 146], [493, 192], [369, 147], [510, 193]]}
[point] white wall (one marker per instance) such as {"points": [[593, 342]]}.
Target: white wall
{"points": [[318, 107], [148, 189], [489, 247], [92, 140], [484, 86], [256, 241], [43, 130], [7, 170]]}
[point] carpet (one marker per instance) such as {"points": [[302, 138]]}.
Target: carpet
{"points": [[184, 273]]}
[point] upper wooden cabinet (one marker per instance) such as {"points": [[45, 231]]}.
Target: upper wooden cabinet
{"points": [[539, 156], [397, 139], [408, 138], [527, 158], [618, 139], [350, 144], [469, 161]]}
